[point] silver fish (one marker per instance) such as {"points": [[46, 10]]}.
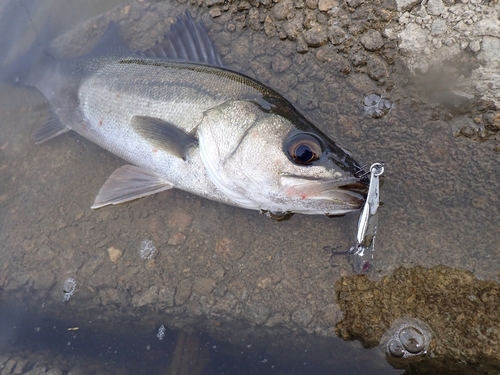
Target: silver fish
{"points": [[184, 121]]}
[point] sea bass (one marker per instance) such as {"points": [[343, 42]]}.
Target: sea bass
{"points": [[184, 121]]}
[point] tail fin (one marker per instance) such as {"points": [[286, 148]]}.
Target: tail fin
{"points": [[23, 45]]}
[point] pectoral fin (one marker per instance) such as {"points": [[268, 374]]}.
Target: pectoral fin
{"points": [[51, 128], [129, 183], [164, 135]]}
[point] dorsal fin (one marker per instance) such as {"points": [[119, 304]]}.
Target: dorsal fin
{"points": [[110, 44], [186, 41]]}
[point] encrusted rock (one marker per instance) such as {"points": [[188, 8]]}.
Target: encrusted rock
{"points": [[377, 68], [316, 36], [372, 40]]}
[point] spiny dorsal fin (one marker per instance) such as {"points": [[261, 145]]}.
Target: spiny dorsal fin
{"points": [[186, 41]]}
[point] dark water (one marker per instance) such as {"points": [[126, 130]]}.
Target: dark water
{"points": [[441, 207]]}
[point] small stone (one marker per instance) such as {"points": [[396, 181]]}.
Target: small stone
{"points": [[377, 68], [254, 19], [406, 5], [148, 297], [475, 46], [358, 58], [269, 27], [413, 40], [302, 45], [9, 366], [215, 12], [176, 239], [316, 36], [372, 40], [214, 2], [243, 5], [280, 63], [312, 4], [166, 296], [337, 35], [283, 10], [293, 27], [182, 293], [355, 3], [325, 5], [438, 27], [435, 7], [114, 254], [204, 286], [302, 317]]}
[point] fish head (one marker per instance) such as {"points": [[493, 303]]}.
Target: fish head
{"points": [[273, 159]]}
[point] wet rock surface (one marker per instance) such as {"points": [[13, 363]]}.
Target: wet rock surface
{"points": [[461, 311], [237, 275]]}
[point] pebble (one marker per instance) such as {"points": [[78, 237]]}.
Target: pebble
{"points": [[377, 68], [316, 36], [325, 5], [337, 35], [215, 12], [280, 63], [372, 40], [114, 254], [435, 7]]}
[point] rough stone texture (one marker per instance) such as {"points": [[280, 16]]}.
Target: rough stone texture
{"points": [[316, 36], [405, 5], [440, 32], [461, 311], [372, 40]]}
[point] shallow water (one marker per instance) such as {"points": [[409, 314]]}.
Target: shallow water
{"points": [[441, 207]]}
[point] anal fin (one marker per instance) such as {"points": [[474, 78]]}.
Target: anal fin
{"points": [[128, 183]]}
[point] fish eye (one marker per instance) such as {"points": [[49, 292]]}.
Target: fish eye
{"points": [[304, 148]]}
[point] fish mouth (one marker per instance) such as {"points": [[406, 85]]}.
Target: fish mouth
{"points": [[348, 192]]}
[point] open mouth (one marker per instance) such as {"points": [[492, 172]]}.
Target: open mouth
{"points": [[347, 192]]}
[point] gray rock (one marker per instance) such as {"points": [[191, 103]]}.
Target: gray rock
{"points": [[337, 35], [280, 63], [325, 5], [254, 19], [358, 58], [355, 3], [489, 56], [302, 317], [54, 371], [438, 27], [183, 292], [435, 7], [3, 359], [269, 27], [377, 68], [316, 36], [145, 298], [166, 296], [283, 10], [214, 2], [488, 27], [204, 286], [405, 5], [372, 40], [293, 27], [413, 40], [302, 45]]}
